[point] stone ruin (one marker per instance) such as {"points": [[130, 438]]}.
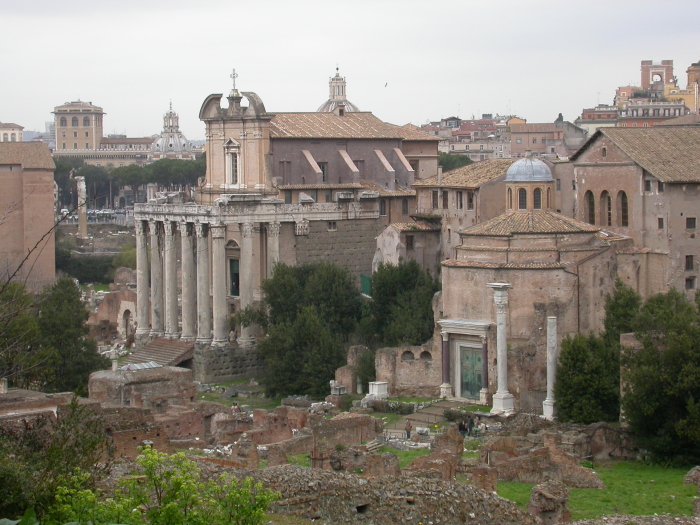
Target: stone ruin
{"points": [[548, 503]]}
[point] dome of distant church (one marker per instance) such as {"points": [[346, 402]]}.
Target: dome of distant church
{"points": [[171, 140], [528, 170], [337, 96]]}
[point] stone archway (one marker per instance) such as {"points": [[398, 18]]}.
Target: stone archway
{"points": [[126, 324]]}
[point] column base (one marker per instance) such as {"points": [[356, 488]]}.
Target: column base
{"points": [[484, 396], [503, 403], [548, 409], [219, 342], [203, 342], [187, 338], [245, 341], [156, 333], [445, 390]]}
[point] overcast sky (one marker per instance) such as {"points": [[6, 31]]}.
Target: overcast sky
{"points": [[406, 61]]}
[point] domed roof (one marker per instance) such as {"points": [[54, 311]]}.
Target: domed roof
{"points": [[337, 87], [171, 140], [528, 170]]}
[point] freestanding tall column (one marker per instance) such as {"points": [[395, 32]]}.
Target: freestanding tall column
{"points": [[483, 393], [218, 232], [273, 246], [246, 292], [170, 256], [156, 229], [142, 291], [445, 387], [503, 401], [548, 404], [203, 298], [189, 284]]}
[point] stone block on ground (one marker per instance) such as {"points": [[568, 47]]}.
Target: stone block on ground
{"points": [[692, 477], [548, 502]]}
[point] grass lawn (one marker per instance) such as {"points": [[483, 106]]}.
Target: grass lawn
{"points": [[406, 456], [303, 460], [631, 486]]}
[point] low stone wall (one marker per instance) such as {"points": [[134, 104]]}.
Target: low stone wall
{"points": [[345, 429], [343, 498], [228, 363]]}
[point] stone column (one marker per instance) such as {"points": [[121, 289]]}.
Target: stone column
{"points": [[218, 234], [142, 291], [246, 279], [548, 404], [203, 298], [156, 230], [189, 284], [484, 392], [445, 387], [503, 401], [273, 246], [170, 255]]}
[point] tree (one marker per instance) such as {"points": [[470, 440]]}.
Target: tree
{"points": [[62, 318], [588, 381], [169, 491], [35, 457], [401, 305], [621, 311], [448, 161], [661, 379]]}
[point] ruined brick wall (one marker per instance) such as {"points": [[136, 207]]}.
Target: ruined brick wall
{"points": [[411, 371], [346, 429], [271, 427], [182, 423], [17, 401], [229, 363], [130, 428], [302, 443]]}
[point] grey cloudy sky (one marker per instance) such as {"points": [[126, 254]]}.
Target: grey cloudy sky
{"points": [[406, 61]]}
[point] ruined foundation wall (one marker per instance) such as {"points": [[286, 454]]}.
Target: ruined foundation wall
{"points": [[228, 363]]}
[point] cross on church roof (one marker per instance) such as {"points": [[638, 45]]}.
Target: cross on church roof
{"points": [[234, 76]]}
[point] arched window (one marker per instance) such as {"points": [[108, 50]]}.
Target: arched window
{"points": [[549, 198], [623, 217], [407, 356], [404, 206], [537, 199], [74, 122], [605, 209], [86, 121], [64, 122], [4, 137], [589, 207], [13, 138], [522, 199], [510, 199], [232, 157]]}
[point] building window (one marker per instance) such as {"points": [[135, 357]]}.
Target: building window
{"points": [[435, 200], [382, 207], [74, 122], [75, 145], [522, 199], [287, 196], [689, 263], [470, 200], [590, 207], [459, 203], [75, 134], [324, 171], [332, 226], [63, 146], [404, 206], [63, 122], [86, 122], [690, 223], [518, 141], [661, 187], [87, 134], [510, 199], [537, 199], [605, 152], [329, 196], [87, 146], [481, 147], [534, 140], [558, 184], [623, 217], [409, 242], [13, 138], [445, 199], [549, 198], [606, 209], [660, 223], [235, 275], [690, 283]]}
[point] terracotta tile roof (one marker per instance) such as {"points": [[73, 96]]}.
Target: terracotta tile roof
{"points": [[533, 128], [669, 153], [413, 133], [126, 140], [538, 221], [322, 186], [398, 192], [685, 120], [352, 125], [31, 155], [470, 176], [523, 266], [10, 125], [415, 226]]}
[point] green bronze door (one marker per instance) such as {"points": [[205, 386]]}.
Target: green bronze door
{"points": [[471, 367]]}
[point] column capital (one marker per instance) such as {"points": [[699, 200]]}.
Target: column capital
{"points": [[218, 231], [141, 227], [273, 229], [185, 228], [246, 229], [201, 229], [445, 336], [170, 228]]}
